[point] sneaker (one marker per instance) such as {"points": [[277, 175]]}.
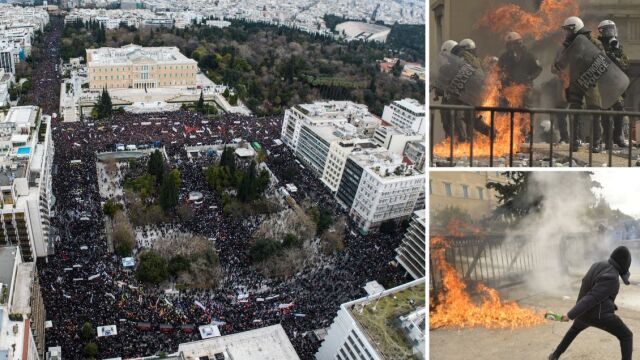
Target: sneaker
{"points": [[620, 142]]}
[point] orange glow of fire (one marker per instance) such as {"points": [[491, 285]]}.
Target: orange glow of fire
{"points": [[455, 309], [548, 19], [514, 96]]}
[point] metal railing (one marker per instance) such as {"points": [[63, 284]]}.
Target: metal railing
{"points": [[489, 259], [589, 116]]}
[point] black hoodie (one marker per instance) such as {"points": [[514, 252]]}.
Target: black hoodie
{"points": [[600, 286]]}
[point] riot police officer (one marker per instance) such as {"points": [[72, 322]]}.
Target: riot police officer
{"points": [[517, 65], [446, 116], [573, 28], [608, 36], [466, 49]]}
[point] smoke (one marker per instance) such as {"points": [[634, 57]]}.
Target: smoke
{"points": [[551, 232]]}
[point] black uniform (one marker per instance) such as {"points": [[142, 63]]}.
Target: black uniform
{"points": [[576, 96], [478, 125], [596, 303], [616, 54], [518, 67]]}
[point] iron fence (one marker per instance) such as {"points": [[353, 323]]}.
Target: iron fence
{"points": [[490, 260], [470, 120]]}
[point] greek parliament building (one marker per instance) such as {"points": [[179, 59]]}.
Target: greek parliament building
{"points": [[137, 67]]}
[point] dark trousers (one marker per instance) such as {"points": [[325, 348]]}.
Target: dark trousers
{"points": [[610, 323], [616, 124]]}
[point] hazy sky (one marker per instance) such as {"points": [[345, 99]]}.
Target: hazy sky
{"points": [[621, 189]]}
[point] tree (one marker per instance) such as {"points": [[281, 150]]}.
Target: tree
{"points": [[122, 236], [228, 159], [233, 100], [396, 70], [263, 249], [90, 350], [155, 166], [152, 268], [178, 264], [290, 240], [226, 93], [110, 208], [175, 173], [322, 217], [87, 331], [168, 193], [200, 104], [104, 107]]}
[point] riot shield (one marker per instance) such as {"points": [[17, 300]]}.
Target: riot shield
{"points": [[460, 80], [588, 66]]}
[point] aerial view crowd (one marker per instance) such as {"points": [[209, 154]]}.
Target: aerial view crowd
{"points": [[83, 281]]}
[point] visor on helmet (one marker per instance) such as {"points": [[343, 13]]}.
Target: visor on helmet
{"points": [[608, 31]]}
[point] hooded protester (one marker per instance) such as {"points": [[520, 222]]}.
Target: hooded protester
{"points": [[596, 303]]}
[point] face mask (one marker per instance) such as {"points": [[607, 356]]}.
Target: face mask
{"points": [[608, 32]]}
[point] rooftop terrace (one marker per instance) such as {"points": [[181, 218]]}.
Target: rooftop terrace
{"points": [[381, 325]]}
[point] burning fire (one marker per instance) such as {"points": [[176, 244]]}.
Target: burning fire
{"points": [[455, 308], [548, 19], [514, 96], [510, 17]]}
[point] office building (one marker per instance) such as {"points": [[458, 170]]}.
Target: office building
{"points": [[411, 253], [385, 325], [26, 155], [388, 188], [22, 312], [407, 114]]}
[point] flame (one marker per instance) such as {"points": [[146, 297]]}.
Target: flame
{"points": [[514, 96], [510, 17], [456, 309], [548, 19]]}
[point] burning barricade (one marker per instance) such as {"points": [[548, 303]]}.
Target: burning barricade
{"points": [[454, 306]]}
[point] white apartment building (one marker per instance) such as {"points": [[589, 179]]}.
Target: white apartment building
{"points": [[8, 57], [337, 156], [388, 188], [353, 335], [266, 343], [411, 253], [394, 138], [374, 183], [406, 113], [26, 155], [22, 312], [218, 23], [321, 114]]}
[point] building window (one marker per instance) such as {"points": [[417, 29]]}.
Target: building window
{"points": [[480, 193], [465, 191], [447, 189]]}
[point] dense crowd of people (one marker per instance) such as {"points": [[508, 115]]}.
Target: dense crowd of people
{"points": [[46, 78], [83, 282]]}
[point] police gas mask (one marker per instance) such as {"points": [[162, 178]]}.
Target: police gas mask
{"points": [[609, 34], [515, 47]]}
